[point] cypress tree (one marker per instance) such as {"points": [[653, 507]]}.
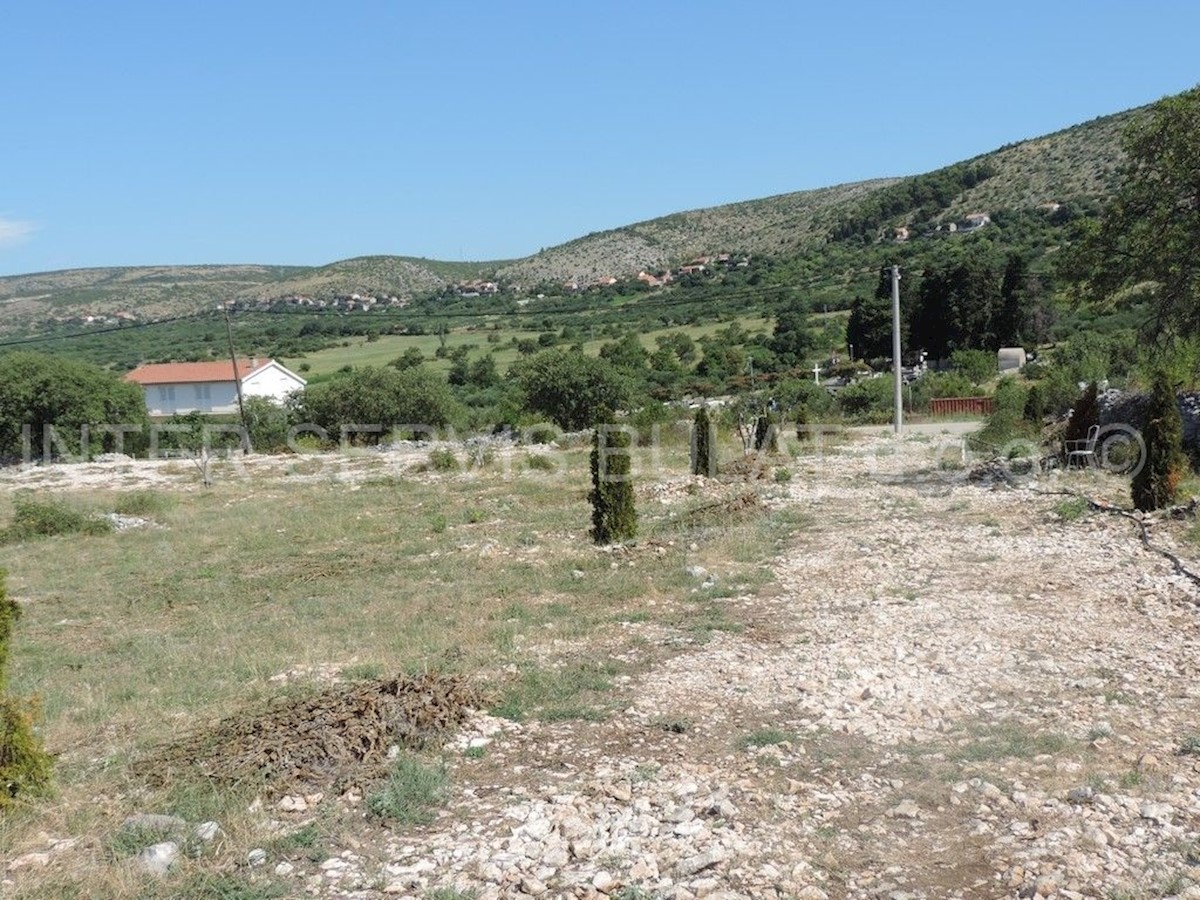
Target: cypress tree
{"points": [[24, 765], [1156, 483], [802, 432], [1035, 407], [766, 433], [704, 458], [614, 516]]}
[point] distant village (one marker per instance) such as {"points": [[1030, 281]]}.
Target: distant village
{"points": [[702, 266]]}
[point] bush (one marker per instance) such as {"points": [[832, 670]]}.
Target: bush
{"points": [[1156, 484], [443, 460], [25, 766], [803, 420], [870, 400], [32, 519], [976, 365], [1035, 407], [268, 423], [703, 455], [540, 462], [614, 516], [1007, 421]]}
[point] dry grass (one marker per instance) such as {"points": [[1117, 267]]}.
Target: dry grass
{"points": [[251, 589]]}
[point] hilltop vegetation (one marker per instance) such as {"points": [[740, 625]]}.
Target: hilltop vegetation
{"points": [[1074, 167]]}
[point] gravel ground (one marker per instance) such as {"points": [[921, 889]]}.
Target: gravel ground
{"points": [[951, 690], [952, 693]]}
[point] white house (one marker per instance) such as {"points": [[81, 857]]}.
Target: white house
{"points": [[211, 387]]}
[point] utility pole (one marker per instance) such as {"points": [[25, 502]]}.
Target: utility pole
{"points": [[898, 424], [237, 382]]}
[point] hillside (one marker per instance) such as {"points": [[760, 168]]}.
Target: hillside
{"points": [[769, 225], [1077, 163]]}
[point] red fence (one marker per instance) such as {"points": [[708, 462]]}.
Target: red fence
{"points": [[961, 406]]}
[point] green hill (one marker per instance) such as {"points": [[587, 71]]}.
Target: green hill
{"points": [[1076, 166]]}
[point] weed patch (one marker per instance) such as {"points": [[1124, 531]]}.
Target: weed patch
{"points": [[553, 694], [34, 519], [411, 793], [1071, 509]]}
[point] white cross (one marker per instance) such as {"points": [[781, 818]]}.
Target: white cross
{"points": [[817, 373]]}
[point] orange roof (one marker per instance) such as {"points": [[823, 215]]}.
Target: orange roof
{"points": [[192, 372]]}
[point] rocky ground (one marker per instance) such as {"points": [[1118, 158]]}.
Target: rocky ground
{"points": [[952, 690]]}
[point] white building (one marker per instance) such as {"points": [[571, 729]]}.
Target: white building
{"points": [[211, 387]]}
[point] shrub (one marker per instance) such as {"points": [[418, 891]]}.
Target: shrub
{"points": [[704, 458], [24, 765], [614, 516], [540, 462], [870, 400], [443, 460], [1156, 483], [1035, 407], [268, 423], [977, 365], [32, 519], [802, 422]]}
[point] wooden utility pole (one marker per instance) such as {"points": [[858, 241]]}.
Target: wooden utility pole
{"points": [[898, 423], [237, 381]]}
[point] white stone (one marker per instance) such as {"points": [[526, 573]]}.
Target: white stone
{"points": [[158, 858]]}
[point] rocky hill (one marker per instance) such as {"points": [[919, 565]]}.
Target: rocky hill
{"points": [[1076, 163]]}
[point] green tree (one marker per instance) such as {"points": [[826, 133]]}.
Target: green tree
{"points": [[614, 515], [627, 353], [1017, 292], [957, 306], [1149, 232], [382, 397], [790, 341], [409, 359], [1156, 483], [570, 388], [869, 331], [40, 390]]}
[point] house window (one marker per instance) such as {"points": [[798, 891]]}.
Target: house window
{"points": [[166, 393], [203, 392]]}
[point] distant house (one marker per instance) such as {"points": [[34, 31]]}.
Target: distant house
{"points": [[211, 387]]}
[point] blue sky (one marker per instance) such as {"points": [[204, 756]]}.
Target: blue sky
{"points": [[139, 133]]}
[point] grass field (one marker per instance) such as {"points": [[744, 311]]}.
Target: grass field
{"points": [[237, 593], [360, 352]]}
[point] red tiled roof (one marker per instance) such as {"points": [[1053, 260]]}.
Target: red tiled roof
{"points": [[191, 372]]}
